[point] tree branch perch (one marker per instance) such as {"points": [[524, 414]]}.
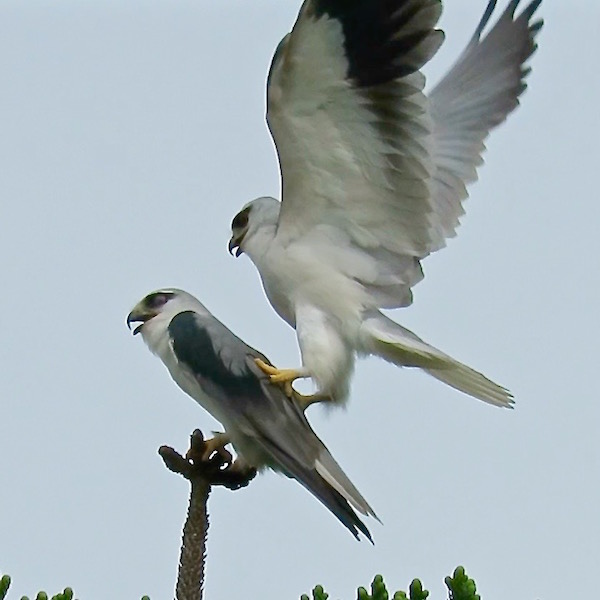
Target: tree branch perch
{"points": [[203, 467]]}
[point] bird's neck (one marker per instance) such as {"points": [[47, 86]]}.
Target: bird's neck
{"points": [[154, 334], [258, 242]]}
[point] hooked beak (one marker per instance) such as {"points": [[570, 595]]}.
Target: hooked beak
{"points": [[138, 315], [234, 244]]}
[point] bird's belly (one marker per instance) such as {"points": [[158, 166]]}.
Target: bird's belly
{"points": [[279, 300], [292, 278]]}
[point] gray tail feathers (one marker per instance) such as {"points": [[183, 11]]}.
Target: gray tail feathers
{"points": [[385, 338], [336, 503], [332, 473], [329, 484]]}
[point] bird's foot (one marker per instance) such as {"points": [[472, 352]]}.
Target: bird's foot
{"points": [[282, 376], [305, 401], [207, 461], [239, 474], [285, 378], [216, 445]]}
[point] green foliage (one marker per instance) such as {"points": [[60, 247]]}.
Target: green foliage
{"points": [[379, 591], [67, 593], [460, 587], [318, 594], [415, 592], [4, 585]]}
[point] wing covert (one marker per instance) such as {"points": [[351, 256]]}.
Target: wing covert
{"points": [[350, 123], [369, 163], [213, 354]]}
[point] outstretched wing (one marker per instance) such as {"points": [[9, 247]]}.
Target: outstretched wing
{"points": [[369, 165], [477, 94], [349, 119]]}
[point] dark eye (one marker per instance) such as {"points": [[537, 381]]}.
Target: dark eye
{"points": [[241, 219], [159, 299]]}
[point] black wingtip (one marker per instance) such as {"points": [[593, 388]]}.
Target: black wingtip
{"points": [[531, 8], [339, 506], [384, 41], [527, 14], [485, 19], [356, 527], [512, 8], [365, 531]]}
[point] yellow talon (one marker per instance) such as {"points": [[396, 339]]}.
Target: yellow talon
{"points": [[265, 368], [305, 401], [283, 376]]}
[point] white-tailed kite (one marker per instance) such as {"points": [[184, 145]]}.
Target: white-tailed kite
{"points": [[265, 427], [373, 175]]}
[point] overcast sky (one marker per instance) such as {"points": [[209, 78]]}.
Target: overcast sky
{"points": [[130, 135]]}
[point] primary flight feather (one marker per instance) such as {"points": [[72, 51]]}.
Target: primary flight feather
{"points": [[373, 175]]}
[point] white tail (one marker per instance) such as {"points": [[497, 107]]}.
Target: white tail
{"points": [[385, 338]]}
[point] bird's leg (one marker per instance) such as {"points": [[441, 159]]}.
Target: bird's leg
{"points": [[283, 376], [305, 401]]}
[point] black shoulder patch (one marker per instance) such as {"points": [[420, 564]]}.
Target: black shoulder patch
{"points": [[194, 347], [385, 39]]}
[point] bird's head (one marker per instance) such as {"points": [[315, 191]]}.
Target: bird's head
{"points": [[161, 306], [253, 216]]}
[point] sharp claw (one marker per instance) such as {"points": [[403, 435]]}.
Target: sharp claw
{"points": [[284, 376], [305, 401], [265, 368], [289, 391], [279, 376]]}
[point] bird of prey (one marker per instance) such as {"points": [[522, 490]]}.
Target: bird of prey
{"points": [[373, 176], [265, 427]]}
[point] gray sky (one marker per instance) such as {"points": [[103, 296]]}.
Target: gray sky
{"points": [[130, 134]]}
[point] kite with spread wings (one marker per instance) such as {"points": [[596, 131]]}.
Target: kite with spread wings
{"points": [[373, 176]]}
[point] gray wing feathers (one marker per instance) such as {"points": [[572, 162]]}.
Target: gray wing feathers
{"points": [[318, 486], [281, 429], [232, 351], [368, 162], [266, 427], [349, 119], [477, 94]]}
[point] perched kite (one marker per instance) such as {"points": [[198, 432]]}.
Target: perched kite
{"points": [[373, 175], [266, 428]]}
